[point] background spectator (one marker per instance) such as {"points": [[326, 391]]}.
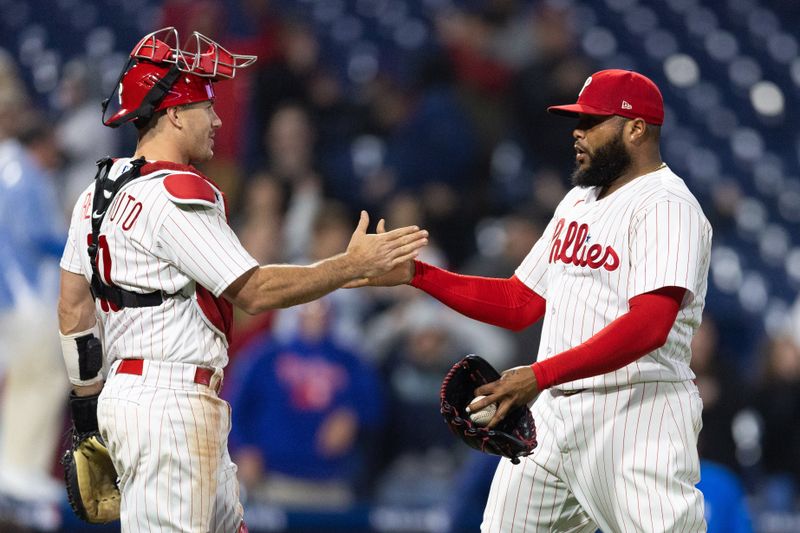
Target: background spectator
{"points": [[724, 395], [81, 136], [305, 410], [32, 236], [725, 503], [777, 401]]}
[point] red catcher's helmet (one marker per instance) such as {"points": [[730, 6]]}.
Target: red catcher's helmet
{"points": [[164, 75]]}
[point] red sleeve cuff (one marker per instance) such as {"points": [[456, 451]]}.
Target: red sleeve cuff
{"points": [[543, 379], [419, 273]]}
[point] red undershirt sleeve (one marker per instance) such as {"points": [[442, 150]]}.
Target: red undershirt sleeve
{"points": [[507, 303], [641, 330]]}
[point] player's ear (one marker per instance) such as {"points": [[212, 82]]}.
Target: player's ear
{"points": [[173, 114], [636, 130]]}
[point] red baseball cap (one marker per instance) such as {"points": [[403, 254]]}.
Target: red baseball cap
{"points": [[617, 92]]}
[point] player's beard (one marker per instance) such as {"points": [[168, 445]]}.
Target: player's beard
{"points": [[607, 164]]}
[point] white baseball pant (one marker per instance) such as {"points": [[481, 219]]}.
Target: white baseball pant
{"points": [[168, 438], [621, 459]]}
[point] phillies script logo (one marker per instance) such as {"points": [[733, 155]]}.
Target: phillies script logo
{"points": [[574, 248]]}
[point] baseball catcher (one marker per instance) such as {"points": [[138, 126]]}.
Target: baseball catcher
{"points": [[513, 437], [147, 296]]}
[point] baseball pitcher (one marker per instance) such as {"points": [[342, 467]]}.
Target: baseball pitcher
{"points": [[619, 277]]}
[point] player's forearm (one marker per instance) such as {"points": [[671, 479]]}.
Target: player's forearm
{"points": [[636, 333], [280, 286], [72, 319], [80, 346], [507, 303], [76, 310]]}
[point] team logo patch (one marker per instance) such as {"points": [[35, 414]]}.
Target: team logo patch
{"points": [[574, 249]]}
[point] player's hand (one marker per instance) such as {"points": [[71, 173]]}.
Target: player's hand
{"points": [[377, 254], [399, 275], [516, 386]]}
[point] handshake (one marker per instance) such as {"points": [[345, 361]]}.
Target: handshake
{"points": [[384, 258]]}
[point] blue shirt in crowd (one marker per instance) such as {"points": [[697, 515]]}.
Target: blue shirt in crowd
{"points": [[725, 506], [285, 392]]}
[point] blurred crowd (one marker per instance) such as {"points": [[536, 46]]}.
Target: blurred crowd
{"points": [[336, 401]]}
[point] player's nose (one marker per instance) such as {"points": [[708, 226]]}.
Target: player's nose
{"points": [[216, 122]]}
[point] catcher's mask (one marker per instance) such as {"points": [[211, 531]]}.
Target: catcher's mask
{"points": [[160, 74]]}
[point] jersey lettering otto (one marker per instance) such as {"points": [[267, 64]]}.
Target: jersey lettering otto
{"points": [[149, 242], [595, 255]]}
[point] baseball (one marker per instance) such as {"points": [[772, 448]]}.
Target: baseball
{"points": [[483, 416]]}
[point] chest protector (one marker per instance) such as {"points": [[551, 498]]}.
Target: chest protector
{"points": [[217, 310], [105, 189]]}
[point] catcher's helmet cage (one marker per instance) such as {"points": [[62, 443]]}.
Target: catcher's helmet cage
{"points": [[164, 75]]}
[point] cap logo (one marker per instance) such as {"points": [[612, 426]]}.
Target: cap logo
{"points": [[626, 105], [585, 84]]}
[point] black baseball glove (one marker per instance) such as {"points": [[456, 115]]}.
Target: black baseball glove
{"points": [[89, 474], [513, 437]]}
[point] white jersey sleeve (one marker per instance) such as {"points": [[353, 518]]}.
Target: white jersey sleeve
{"points": [[199, 242], [71, 257], [669, 242]]}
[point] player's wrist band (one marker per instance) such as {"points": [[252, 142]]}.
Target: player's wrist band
{"points": [[83, 356]]}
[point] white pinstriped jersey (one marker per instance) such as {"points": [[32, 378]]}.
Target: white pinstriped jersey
{"points": [[595, 255], [148, 242]]}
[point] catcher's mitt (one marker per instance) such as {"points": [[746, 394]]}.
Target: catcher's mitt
{"points": [[89, 474], [513, 437]]}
